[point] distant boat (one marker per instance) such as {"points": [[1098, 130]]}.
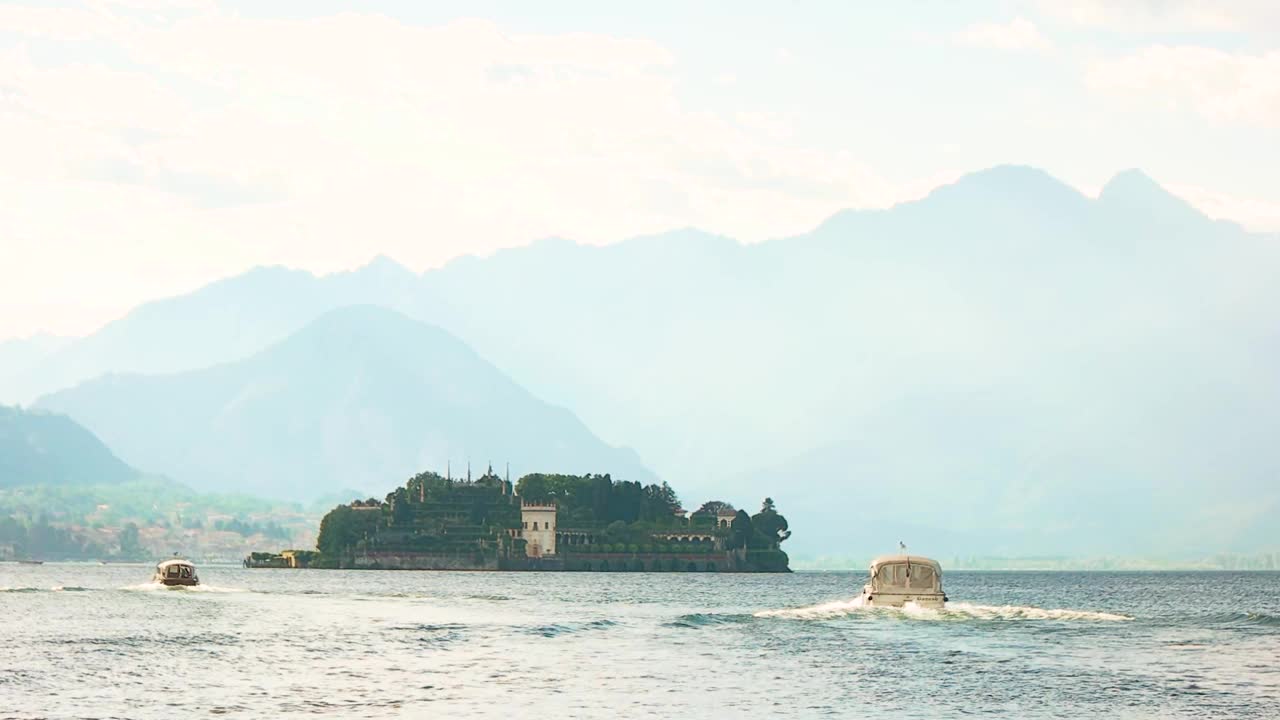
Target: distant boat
{"points": [[176, 573], [30, 562], [900, 579]]}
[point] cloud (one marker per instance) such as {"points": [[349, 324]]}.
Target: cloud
{"points": [[152, 147], [149, 146], [1167, 16], [1017, 34], [1225, 87]]}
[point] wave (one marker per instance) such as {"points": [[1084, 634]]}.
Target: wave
{"points": [[557, 629], [1262, 619], [697, 620], [950, 611], [381, 596], [199, 640], [430, 627], [1246, 618], [215, 589], [55, 588], [823, 611], [439, 635]]}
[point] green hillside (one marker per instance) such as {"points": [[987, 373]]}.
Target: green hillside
{"points": [[44, 448]]}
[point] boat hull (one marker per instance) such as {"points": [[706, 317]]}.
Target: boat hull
{"points": [[177, 582], [934, 601]]}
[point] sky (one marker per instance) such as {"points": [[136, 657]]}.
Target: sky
{"points": [[150, 147]]}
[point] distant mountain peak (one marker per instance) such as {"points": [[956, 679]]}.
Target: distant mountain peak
{"points": [[1022, 189], [1009, 172], [1023, 179], [362, 393], [384, 265], [1135, 191], [1129, 183], [360, 315]]}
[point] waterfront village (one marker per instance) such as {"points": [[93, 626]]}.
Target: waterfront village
{"points": [[543, 522]]}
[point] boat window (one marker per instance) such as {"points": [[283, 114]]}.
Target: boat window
{"points": [[186, 572], [921, 576], [171, 571], [893, 574]]}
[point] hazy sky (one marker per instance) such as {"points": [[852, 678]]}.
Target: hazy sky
{"points": [[148, 147]]}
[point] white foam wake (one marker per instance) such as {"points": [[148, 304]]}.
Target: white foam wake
{"points": [[1019, 612], [837, 608], [950, 611], [158, 587]]}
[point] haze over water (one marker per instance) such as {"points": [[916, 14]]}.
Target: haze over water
{"points": [[99, 641]]}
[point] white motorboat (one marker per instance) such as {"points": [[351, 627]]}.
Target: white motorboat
{"points": [[176, 573], [900, 579]]}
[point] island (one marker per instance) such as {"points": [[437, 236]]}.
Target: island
{"points": [[546, 522]]}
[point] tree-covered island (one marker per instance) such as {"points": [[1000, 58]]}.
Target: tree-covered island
{"points": [[542, 522]]}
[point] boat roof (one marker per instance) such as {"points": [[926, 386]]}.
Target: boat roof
{"points": [[175, 561], [903, 559]]}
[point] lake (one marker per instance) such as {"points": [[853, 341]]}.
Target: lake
{"points": [[99, 641]]}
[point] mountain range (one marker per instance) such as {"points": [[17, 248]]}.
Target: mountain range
{"points": [[1006, 363], [49, 449], [361, 397]]}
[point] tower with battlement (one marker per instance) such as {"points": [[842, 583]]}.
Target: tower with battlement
{"points": [[538, 528]]}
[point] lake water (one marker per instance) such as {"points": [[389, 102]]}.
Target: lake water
{"points": [[98, 641]]}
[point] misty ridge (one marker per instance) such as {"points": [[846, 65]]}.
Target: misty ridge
{"points": [[49, 449], [1005, 365]]}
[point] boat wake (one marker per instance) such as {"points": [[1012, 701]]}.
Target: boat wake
{"points": [[950, 611], [835, 609], [160, 587], [1020, 612]]}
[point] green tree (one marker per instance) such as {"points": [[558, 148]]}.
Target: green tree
{"points": [[533, 488], [660, 502], [712, 507], [479, 514], [342, 528], [401, 512], [601, 487], [770, 526], [741, 531], [130, 544], [626, 501]]}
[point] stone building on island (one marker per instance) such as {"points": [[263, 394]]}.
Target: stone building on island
{"points": [[539, 531], [547, 522]]}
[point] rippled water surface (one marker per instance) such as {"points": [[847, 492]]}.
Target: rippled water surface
{"points": [[99, 641]]}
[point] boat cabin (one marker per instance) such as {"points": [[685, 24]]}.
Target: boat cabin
{"points": [[899, 579], [176, 572]]}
